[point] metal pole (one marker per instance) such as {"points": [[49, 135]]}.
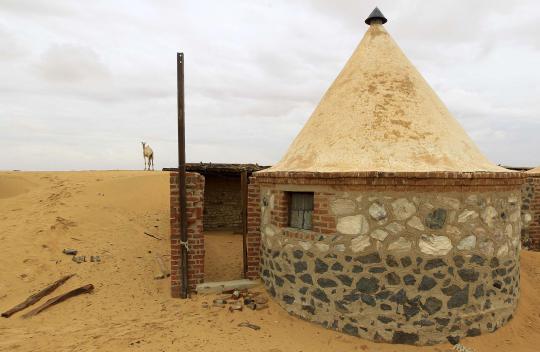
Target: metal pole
{"points": [[182, 171]]}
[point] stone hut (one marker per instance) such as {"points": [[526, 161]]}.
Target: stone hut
{"points": [[530, 210], [383, 219]]}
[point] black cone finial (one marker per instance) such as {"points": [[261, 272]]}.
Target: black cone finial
{"points": [[376, 14]]}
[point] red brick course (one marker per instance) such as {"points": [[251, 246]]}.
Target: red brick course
{"points": [[194, 209]]}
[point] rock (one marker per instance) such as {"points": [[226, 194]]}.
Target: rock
{"points": [[486, 247], [416, 223], [435, 245], [377, 270], [371, 258], [350, 329], [427, 283], [393, 279], [305, 245], [384, 319], [503, 250], [467, 243], [459, 261], [458, 298], [377, 211], [379, 235], [395, 228], [409, 280], [403, 209], [306, 278], [476, 259], [320, 295], [468, 275], [342, 207], [436, 219], [360, 243], [385, 306], [432, 305], [290, 278], [339, 247], [345, 280], [479, 291], [467, 215], [368, 299], [489, 215], [353, 225], [323, 282], [279, 281], [449, 202], [298, 254], [337, 266], [322, 247], [367, 285], [300, 267], [434, 263], [288, 299], [320, 266], [405, 261], [391, 261], [400, 245], [405, 338]]}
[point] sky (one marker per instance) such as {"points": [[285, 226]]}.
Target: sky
{"points": [[82, 83]]}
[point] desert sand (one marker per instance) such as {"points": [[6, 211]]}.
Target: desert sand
{"points": [[106, 213]]}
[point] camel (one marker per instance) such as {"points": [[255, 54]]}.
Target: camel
{"points": [[148, 153]]}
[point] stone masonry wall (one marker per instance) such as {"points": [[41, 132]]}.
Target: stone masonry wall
{"points": [[222, 203], [403, 267], [194, 209], [530, 213]]}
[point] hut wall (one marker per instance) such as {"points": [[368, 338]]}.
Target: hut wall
{"points": [[194, 210], [222, 202], [530, 213], [401, 264]]}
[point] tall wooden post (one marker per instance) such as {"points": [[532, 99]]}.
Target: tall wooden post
{"points": [[182, 172], [244, 191]]}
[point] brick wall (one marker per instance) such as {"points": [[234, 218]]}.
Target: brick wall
{"points": [[194, 209], [253, 238], [222, 202], [530, 213], [323, 221]]}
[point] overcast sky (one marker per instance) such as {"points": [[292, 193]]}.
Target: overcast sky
{"points": [[82, 83]]}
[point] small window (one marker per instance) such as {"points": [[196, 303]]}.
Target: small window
{"points": [[300, 210]]}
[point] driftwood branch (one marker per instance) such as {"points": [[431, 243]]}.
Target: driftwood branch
{"points": [[149, 234], [78, 291], [36, 296]]}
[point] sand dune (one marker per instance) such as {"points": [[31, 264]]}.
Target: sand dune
{"points": [[106, 214]]}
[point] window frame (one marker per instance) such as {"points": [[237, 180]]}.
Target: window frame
{"points": [[306, 210]]}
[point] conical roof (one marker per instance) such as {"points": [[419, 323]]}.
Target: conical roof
{"points": [[536, 170], [381, 115]]}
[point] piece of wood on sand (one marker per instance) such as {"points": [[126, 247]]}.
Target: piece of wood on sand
{"points": [[78, 291], [161, 271], [36, 296], [154, 236]]}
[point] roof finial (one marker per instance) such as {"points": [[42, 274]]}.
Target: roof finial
{"points": [[376, 16]]}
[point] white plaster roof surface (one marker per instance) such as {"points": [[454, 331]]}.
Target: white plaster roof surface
{"points": [[381, 115]]}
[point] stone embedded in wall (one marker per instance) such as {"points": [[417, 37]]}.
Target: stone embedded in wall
{"points": [[416, 223], [436, 219], [435, 245], [489, 215], [379, 235], [467, 216], [360, 243], [322, 247], [377, 211], [467, 243], [502, 251], [403, 208], [487, 247], [343, 206], [400, 245], [353, 225]]}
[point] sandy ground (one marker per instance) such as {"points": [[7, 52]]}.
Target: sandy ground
{"points": [[224, 256], [106, 214]]}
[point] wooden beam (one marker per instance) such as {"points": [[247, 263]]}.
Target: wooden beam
{"points": [[53, 301], [36, 296], [244, 190]]}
